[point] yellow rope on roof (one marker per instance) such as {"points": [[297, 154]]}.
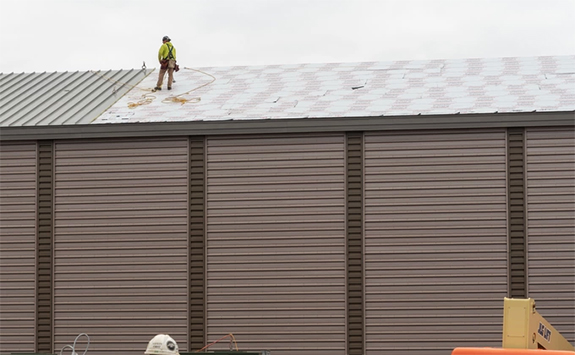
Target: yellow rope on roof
{"points": [[147, 98], [181, 99], [113, 81]]}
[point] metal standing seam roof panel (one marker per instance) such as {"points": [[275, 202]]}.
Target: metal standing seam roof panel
{"points": [[40, 99]]}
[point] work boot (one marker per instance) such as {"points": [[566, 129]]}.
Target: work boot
{"points": [[157, 88], [169, 88]]}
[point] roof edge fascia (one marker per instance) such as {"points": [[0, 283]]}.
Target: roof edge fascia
{"points": [[299, 125]]}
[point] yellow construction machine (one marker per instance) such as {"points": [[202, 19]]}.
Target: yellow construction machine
{"points": [[525, 332]]}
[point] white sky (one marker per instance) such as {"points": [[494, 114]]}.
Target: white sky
{"points": [[71, 35]]}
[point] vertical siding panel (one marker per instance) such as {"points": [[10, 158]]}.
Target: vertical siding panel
{"points": [[551, 225], [354, 205], [197, 243], [45, 241], [18, 169], [276, 242], [436, 240], [516, 208], [121, 242]]}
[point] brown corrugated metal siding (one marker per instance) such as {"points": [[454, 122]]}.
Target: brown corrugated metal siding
{"points": [[337, 243], [435, 239], [551, 224], [121, 242], [276, 242], [18, 171]]}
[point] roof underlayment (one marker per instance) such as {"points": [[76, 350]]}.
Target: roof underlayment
{"points": [[499, 85]]}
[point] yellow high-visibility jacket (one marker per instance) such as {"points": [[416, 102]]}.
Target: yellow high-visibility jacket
{"points": [[165, 51]]}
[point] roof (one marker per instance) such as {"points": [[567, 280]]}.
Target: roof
{"points": [[367, 89], [333, 90], [66, 98]]}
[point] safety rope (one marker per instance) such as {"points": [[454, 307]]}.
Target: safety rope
{"points": [[73, 347], [147, 98], [232, 338], [181, 99], [113, 81]]}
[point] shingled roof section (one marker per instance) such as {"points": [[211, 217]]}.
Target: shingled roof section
{"points": [[62, 98], [401, 88]]}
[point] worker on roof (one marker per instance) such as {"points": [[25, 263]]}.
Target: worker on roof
{"points": [[167, 58]]}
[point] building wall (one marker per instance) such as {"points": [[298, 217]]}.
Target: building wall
{"points": [[340, 243]]}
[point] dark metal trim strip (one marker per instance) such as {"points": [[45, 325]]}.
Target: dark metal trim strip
{"points": [[354, 241], [309, 125], [44, 265], [197, 205], [516, 213]]}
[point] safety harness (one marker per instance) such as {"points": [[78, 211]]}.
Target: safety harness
{"points": [[170, 55]]}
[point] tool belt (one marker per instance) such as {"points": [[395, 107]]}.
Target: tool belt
{"points": [[165, 64]]}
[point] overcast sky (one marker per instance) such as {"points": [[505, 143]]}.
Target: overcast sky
{"points": [[71, 35]]}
